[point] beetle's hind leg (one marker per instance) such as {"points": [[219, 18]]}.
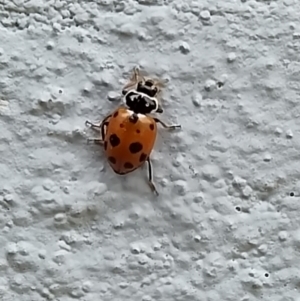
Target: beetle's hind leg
{"points": [[95, 141], [103, 129], [150, 177]]}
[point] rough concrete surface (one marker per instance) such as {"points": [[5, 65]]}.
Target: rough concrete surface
{"points": [[226, 224]]}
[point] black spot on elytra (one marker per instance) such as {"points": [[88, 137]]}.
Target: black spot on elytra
{"points": [[114, 140], [105, 145], [128, 165], [138, 131], [143, 157], [116, 114], [151, 126], [135, 147], [112, 160]]}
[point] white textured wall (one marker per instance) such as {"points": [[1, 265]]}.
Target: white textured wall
{"points": [[226, 223]]}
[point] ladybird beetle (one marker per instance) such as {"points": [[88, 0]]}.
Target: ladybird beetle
{"points": [[128, 134]]}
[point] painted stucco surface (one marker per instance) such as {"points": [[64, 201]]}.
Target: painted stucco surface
{"points": [[226, 224]]}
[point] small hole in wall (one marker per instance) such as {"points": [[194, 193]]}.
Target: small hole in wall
{"points": [[238, 208], [266, 275], [292, 193], [220, 85]]}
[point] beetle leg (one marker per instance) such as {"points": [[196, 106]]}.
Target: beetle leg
{"points": [[92, 125], [166, 126], [95, 126], [95, 141], [103, 129], [150, 177]]}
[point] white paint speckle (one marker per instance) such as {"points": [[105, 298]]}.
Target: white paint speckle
{"points": [[282, 235], [113, 96], [289, 134], [205, 15], [197, 99], [267, 158], [278, 131], [184, 47], [210, 84], [231, 57]]}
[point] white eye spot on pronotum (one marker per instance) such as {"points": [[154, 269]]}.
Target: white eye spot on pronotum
{"points": [[133, 97]]}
